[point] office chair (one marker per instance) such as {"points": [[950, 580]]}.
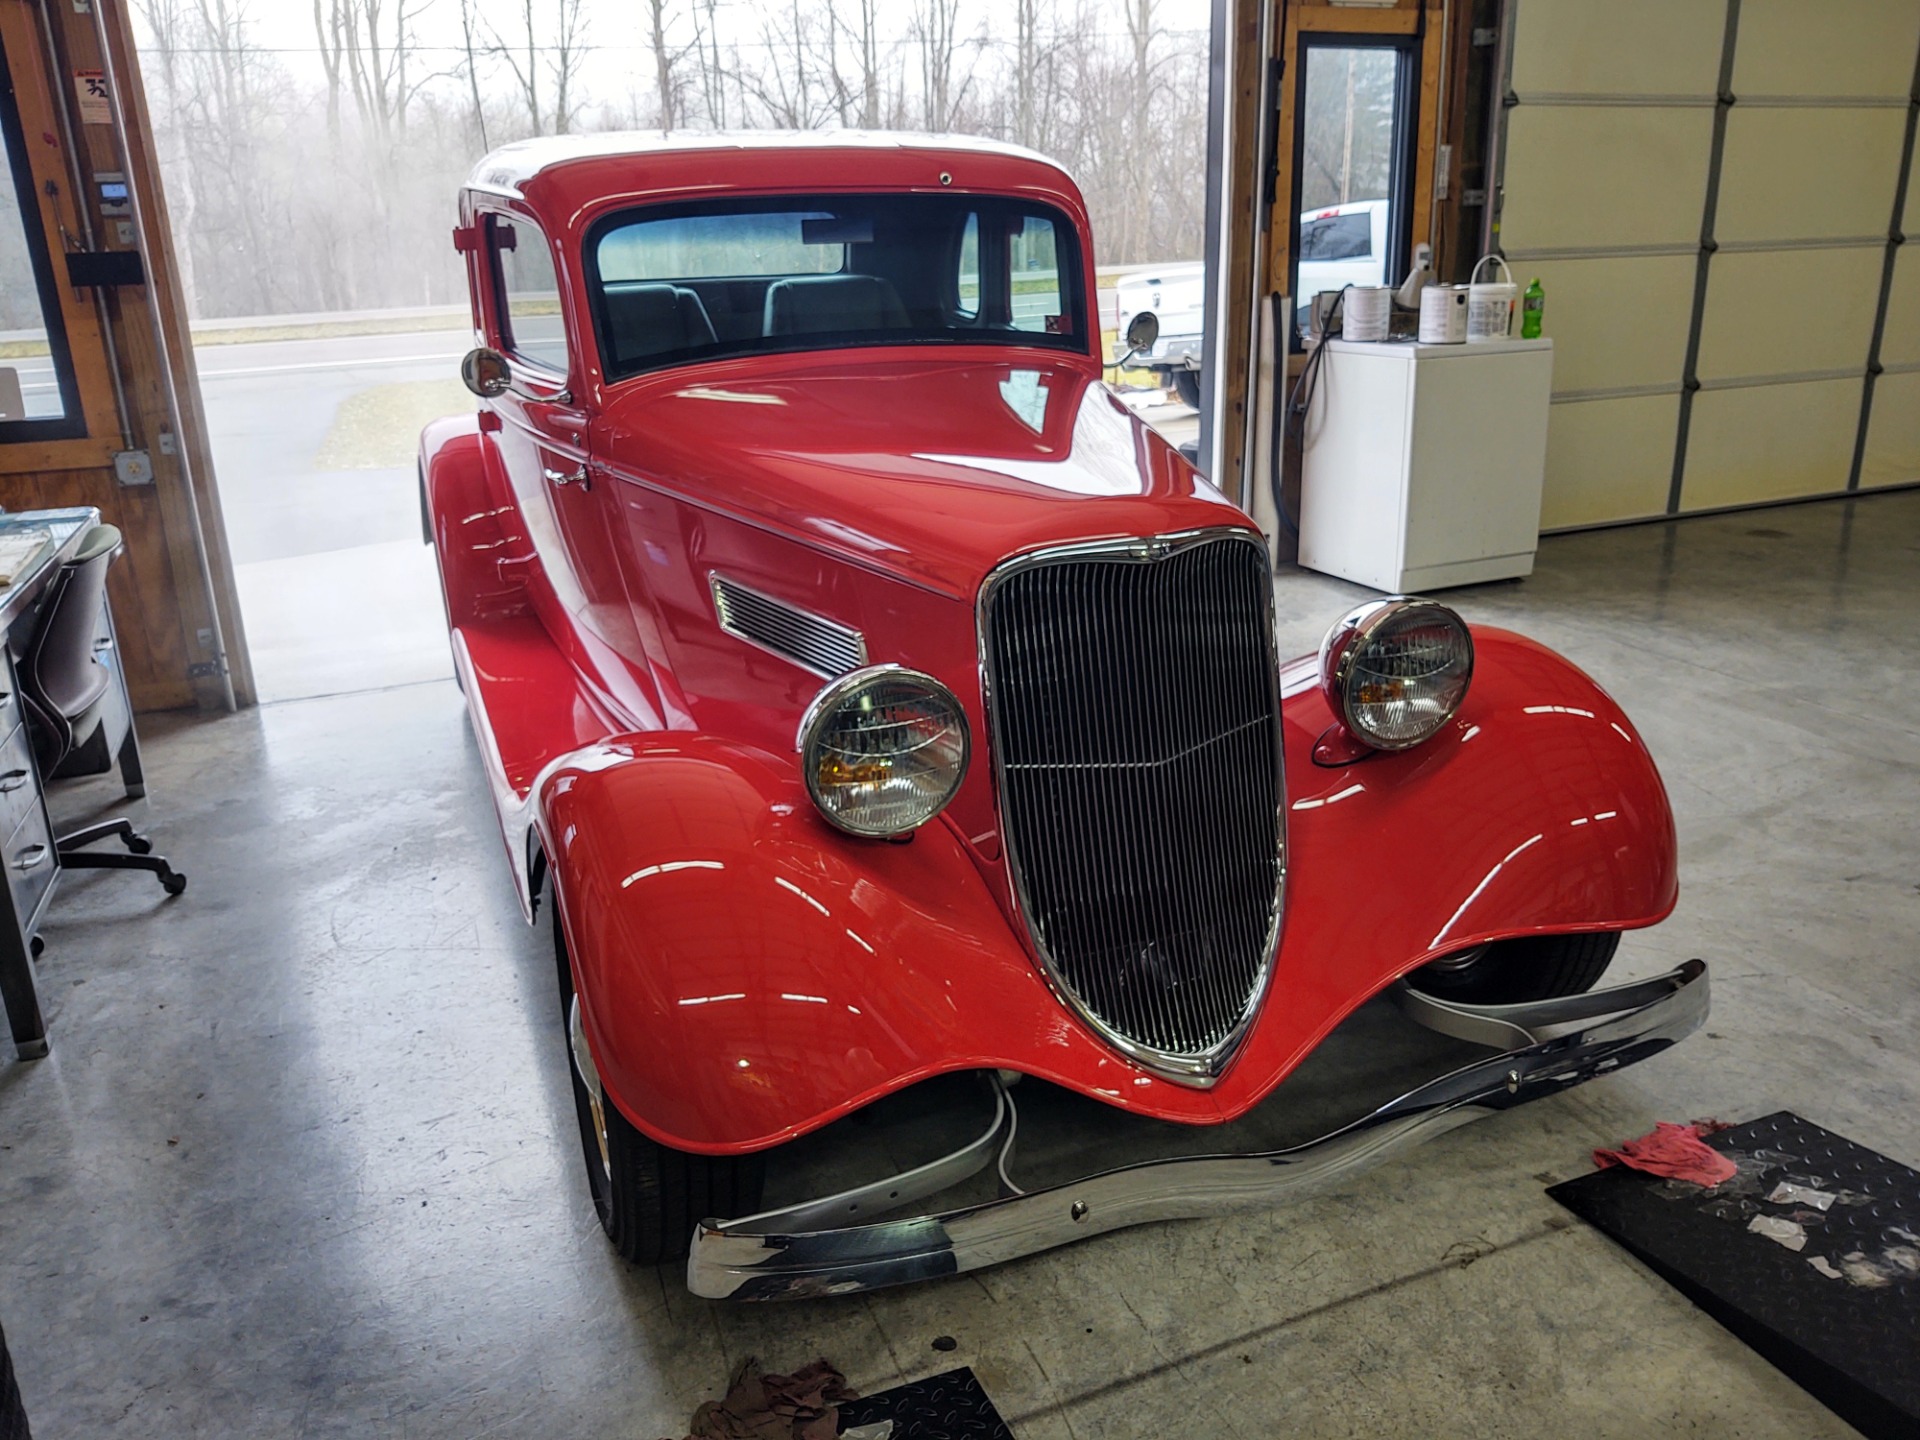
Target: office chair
{"points": [[65, 689]]}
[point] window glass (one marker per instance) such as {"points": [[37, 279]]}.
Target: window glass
{"points": [[37, 395], [1336, 237], [699, 281], [1035, 257], [529, 293]]}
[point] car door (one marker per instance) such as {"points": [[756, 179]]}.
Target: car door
{"points": [[544, 448]]}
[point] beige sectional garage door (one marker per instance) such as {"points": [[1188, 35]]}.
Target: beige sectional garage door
{"points": [[1707, 190]]}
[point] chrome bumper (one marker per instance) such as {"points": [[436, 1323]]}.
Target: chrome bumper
{"points": [[1552, 1045]]}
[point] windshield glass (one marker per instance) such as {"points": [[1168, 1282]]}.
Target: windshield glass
{"points": [[700, 282]]}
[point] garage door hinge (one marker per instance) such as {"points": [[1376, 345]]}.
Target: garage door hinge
{"points": [[205, 670], [1484, 35]]}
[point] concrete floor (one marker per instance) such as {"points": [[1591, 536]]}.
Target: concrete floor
{"points": [[303, 1160]]}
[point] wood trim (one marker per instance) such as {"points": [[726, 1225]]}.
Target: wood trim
{"points": [[32, 74], [1426, 147], [1355, 20]]}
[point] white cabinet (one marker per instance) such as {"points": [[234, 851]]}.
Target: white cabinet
{"points": [[1421, 464]]}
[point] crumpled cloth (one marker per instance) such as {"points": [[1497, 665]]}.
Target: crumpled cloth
{"points": [[800, 1406], [1675, 1152]]}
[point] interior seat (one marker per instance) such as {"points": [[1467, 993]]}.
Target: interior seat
{"points": [[648, 320], [811, 304]]}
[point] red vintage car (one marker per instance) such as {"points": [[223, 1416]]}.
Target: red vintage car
{"points": [[875, 698]]}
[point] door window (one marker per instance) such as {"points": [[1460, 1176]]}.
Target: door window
{"points": [[533, 327], [38, 397]]}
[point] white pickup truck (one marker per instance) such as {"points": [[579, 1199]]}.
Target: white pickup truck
{"points": [[1339, 245]]}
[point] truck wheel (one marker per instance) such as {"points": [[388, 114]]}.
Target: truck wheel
{"points": [[1186, 384], [1508, 972], [649, 1197]]}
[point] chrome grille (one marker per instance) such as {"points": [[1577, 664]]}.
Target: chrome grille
{"points": [[1134, 705], [821, 645]]}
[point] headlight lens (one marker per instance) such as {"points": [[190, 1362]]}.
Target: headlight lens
{"points": [[1397, 670], [883, 749]]}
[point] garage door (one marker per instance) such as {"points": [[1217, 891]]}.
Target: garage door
{"points": [[1711, 192]]}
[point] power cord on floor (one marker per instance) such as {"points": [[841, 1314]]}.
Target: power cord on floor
{"points": [[1294, 421]]}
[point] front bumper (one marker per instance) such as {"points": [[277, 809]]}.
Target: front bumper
{"points": [[1552, 1045]]}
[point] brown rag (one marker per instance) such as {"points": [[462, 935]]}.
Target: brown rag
{"points": [[800, 1406]]}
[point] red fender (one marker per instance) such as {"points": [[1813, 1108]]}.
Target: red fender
{"points": [[464, 517], [747, 973]]}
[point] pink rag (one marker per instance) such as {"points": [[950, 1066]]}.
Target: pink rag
{"points": [[1675, 1151]]}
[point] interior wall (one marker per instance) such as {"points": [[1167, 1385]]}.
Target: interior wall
{"points": [[1709, 192]]}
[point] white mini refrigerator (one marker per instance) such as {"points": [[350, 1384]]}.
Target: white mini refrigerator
{"points": [[1421, 465]]}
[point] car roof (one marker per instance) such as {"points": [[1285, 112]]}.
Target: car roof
{"points": [[510, 168]]}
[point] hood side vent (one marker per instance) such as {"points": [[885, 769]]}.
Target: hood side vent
{"points": [[813, 642]]}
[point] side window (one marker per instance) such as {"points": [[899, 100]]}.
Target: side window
{"points": [[1033, 251], [1337, 237], [529, 293], [967, 282]]}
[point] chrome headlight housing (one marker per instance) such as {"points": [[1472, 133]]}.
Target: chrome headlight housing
{"points": [[1396, 670], [883, 750]]}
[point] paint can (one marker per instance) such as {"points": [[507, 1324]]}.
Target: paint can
{"points": [[1367, 312], [1490, 303], [1443, 315]]}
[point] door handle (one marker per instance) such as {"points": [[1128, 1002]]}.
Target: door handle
{"points": [[12, 781], [30, 857], [565, 477]]}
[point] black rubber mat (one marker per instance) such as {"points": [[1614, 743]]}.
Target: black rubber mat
{"points": [[1839, 1315], [13, 1414], [947, 1407]]}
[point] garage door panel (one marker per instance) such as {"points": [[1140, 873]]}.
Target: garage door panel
{"points": [[1624, 47], [1641, 177], [1826, 47], [1770, 442], [1778, 312], [1794, 173], [1615, 323], [1608, 460], [1893, 435], [1900, 340]]}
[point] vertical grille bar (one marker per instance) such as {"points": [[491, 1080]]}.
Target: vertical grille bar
{"points": [[1134, 707]]}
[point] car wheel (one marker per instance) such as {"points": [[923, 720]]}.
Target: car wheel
{"points": [[1186, 384], [1508, 972], [649, 1196]]}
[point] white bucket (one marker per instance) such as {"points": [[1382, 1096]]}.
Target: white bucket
{"points": [[1490, 304], [1443, 314], [1367, 312]]}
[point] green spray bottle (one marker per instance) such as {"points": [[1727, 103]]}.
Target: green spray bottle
{"points": [[1533, 309]]}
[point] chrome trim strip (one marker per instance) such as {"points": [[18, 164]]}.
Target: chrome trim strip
{"points": [[1560, 1043], [1203, 1069], [784, 629]]}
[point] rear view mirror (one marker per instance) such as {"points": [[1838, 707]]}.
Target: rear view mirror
{"points": [[486, 373], [1142, 331]]}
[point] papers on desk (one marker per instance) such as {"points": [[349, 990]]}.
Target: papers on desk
{"points": [[18, 550]]}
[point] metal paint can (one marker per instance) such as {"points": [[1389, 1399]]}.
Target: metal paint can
{"points": [[1443, 315], [1367, 311]]}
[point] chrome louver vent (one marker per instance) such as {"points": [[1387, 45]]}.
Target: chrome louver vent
{"points": [[1134, 704], [822, 646]]}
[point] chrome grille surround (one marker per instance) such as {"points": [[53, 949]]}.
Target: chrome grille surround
{"points": [[810, 641], [1188, 1031]]}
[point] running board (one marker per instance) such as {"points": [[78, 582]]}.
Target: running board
{"points": [[1557, 1044]]}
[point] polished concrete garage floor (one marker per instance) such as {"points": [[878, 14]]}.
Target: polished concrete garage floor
{"points": [[303, 1160]]}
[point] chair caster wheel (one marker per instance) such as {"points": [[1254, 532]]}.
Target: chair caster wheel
{"points": [[173, 882], [37, 945], [139, 845]]}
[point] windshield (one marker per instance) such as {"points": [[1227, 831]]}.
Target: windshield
{"points": [[701, 282]]}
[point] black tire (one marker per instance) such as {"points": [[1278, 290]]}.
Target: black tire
{"points": [[1509, 972], [1186, 384], [648, 1196]]}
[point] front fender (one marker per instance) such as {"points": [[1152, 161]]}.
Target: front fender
{"points": [[747, 973]]}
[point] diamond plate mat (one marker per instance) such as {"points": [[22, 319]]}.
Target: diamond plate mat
{"points": [[946, 1407], [1810, 1254]]}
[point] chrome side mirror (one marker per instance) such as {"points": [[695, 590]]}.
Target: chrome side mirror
{"points": [[486, 373], [1142, 331]]}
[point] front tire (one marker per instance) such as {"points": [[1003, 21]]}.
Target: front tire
{"points": [[649, 1197], [1511, 972], [1186, 384]]}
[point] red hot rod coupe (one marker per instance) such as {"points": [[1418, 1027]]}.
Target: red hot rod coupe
{"points": [[873, 698]]}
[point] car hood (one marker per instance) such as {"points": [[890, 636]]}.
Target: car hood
{"points": [[931, 469]]}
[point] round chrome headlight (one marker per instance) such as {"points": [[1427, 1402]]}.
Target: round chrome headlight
{"points": [[883, 749], [1396, 670]]}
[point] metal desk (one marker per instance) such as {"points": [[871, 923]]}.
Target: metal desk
{"points": [[32, 863]]}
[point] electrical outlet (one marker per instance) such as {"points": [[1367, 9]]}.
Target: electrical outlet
{"points": [[123, 232], [166, 442], [133, 467]]}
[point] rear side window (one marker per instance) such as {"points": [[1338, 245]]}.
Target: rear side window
{"points": [[1033, 251], [529, 293], [1337, 237]]}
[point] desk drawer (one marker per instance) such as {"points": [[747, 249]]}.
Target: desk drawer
{"points": [[31, 865], [18, 789]]}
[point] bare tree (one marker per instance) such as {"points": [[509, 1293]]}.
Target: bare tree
{"points": [[935, 29], [468, 29]]}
